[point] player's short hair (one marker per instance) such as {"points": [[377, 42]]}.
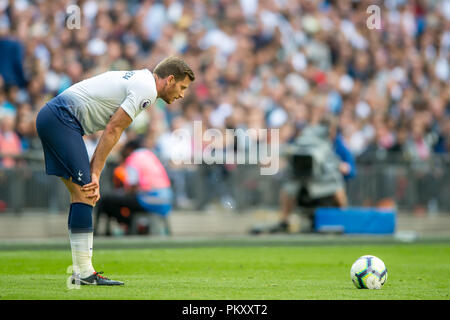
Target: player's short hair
{"points": [[174, 66]]}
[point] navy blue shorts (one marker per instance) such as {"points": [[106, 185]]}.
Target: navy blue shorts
{"points": [[62, 140]]}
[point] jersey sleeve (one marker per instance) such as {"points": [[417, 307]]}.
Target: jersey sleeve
{"points": [[138, 97]]}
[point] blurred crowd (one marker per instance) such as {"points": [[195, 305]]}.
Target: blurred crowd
{"points": [[258, 63]]}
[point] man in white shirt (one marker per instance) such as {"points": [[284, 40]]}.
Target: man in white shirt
{"points": [[108, 102]]}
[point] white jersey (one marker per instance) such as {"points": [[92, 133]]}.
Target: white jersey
{"points": [[93, 101]]}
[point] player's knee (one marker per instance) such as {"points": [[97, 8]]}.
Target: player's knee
{"points": [[80, 196], [76, 194]]}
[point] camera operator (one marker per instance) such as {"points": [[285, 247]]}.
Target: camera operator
{"points": [[319, 164]]}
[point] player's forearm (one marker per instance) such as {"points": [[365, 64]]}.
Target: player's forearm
{"points": [[107, 141]]}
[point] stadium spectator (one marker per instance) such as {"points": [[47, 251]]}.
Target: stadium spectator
{"points": [[11, 60]]}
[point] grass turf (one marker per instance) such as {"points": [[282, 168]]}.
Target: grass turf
{"points": [[415, 271]]}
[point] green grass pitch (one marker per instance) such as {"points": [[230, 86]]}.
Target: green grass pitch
{"points": [[415, 271]]}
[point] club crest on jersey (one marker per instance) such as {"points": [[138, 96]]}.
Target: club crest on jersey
{"points": [[145, 103]]}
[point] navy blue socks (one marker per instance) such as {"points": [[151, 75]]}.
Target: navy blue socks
{"points": [[80, 218]]}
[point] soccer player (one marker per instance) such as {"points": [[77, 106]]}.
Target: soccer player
{"points": [[109, 102]]}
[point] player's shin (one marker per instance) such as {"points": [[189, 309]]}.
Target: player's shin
{"points": [[81, 238]]}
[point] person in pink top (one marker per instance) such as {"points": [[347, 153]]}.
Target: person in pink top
{"points": [[10, 144], [143, 186], [145, 171]]}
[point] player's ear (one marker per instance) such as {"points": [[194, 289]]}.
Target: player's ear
{"points": [[171, 80]]}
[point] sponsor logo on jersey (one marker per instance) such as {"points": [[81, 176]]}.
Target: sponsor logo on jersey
{"points": [[128, 75]]}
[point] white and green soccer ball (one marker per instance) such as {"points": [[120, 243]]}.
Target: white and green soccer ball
{"points": [[368, 272]]}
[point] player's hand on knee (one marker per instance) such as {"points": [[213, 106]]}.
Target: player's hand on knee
{"points": [[91, 186], [92, 189], [94, 195]]}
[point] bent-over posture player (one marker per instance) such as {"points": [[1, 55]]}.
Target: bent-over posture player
{"points": [[109, 102]]}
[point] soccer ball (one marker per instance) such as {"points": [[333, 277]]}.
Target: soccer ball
{"points": [[368, 272]]}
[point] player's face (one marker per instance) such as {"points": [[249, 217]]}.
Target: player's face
{"points": [[175, 89]]}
